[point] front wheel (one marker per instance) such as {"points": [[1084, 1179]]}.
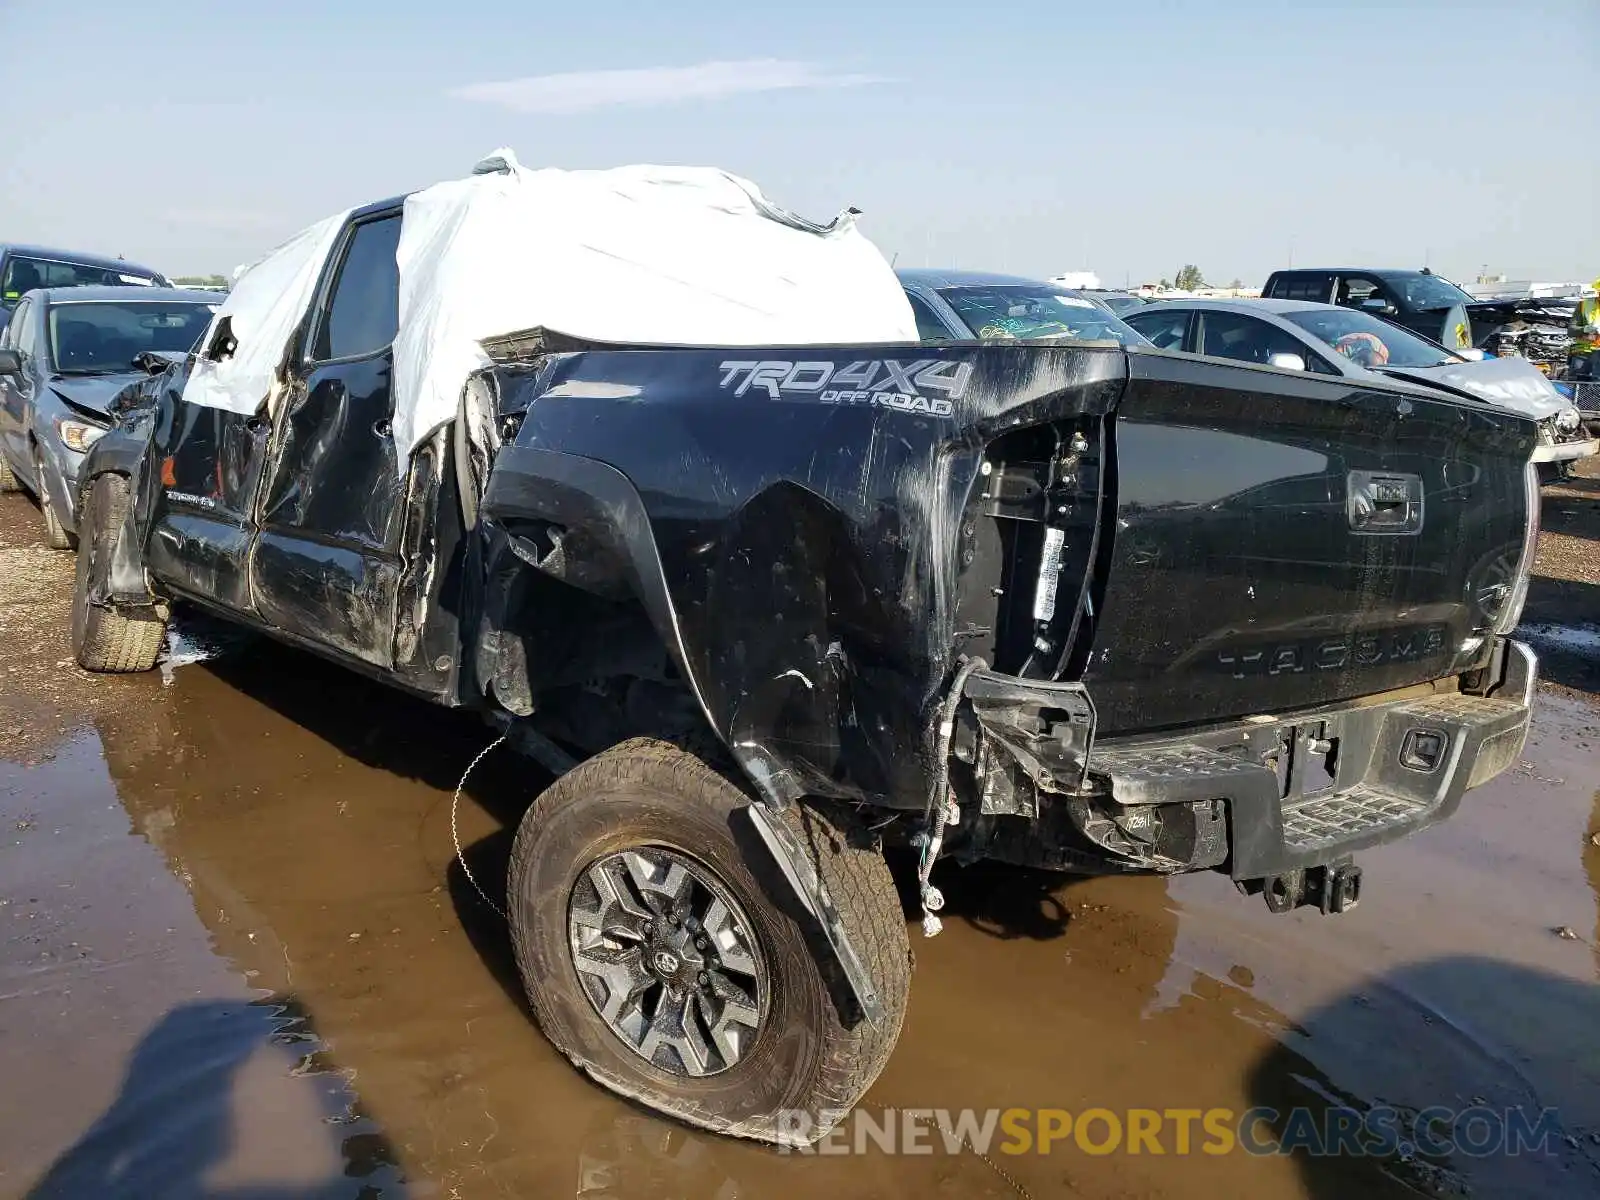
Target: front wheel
{"points": [[104, 638], [8, 478], [664, 954]]}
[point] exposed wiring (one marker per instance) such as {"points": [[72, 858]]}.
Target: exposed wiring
{"points": [[941, 804], [455, 833]]}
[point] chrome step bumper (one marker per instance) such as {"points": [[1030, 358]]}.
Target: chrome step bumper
{"points": [[1308, 790]]}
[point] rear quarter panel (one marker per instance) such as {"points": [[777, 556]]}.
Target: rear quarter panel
{"points": [[810, 543]]}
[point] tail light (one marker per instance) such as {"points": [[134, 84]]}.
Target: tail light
{"points": [[1511, 612]]}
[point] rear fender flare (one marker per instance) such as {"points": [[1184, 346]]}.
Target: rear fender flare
{"points": [[584, 494]]}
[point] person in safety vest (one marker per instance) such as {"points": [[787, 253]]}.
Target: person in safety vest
{"points": [[1583, 357]]}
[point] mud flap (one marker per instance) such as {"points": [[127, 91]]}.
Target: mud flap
{"points": [[796, 866]]}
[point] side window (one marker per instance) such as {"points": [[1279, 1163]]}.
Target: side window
{"points": [[1354, 290], [929, 327], [1247, 339], [65, 274], [23, 325], [363, 308], [1315, 288], [1163, 326], [22, 276]]}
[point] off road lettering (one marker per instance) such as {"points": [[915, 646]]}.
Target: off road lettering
{"points": [[885, 383]]}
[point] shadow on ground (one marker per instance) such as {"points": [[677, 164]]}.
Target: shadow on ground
{"points": [[1562, 623], [1483, 1043], [187, 1067]]}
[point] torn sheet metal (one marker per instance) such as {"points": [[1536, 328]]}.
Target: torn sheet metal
{"points": [[796, 538], [1512, 383]]}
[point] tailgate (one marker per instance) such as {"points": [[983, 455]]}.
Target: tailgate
{"points": [[1283, 540]]}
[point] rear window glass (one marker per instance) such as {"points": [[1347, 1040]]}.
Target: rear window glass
{"points": [[1303, 287], [1027, 312]]}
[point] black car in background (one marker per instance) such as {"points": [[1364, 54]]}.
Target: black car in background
{"points": [[1420, 300], [24, 268]]}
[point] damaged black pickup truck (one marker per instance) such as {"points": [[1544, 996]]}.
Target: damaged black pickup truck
{"points": [[769, 612]]}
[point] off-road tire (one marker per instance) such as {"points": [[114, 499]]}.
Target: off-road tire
{"points": [[55, 534], [104, 639], [8, 478], [814, 1050]]}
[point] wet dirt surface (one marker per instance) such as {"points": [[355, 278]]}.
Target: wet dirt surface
{"points": [[238, 960]]}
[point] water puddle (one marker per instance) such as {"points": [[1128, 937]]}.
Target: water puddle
{"points": [[246, 964], [1583, 640]]}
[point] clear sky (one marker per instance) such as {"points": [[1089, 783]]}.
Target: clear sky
{"points": [[1123, 137]]}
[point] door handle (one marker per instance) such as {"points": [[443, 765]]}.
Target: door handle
{"points": [[383, 427], [1384, 503]]}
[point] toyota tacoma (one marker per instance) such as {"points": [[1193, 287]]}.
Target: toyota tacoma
{"points": [[770, 611]]}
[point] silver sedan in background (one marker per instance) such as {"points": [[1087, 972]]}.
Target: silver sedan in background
{"points": [[65, 356], [1331, 340]]}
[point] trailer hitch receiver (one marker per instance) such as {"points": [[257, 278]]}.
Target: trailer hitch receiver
{"points": [[1334, 888]]}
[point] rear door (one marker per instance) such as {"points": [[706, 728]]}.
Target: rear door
{"points": [[1284, 539], [325, 562]]}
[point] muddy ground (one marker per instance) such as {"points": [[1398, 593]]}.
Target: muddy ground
{"points": [[237, 960]]}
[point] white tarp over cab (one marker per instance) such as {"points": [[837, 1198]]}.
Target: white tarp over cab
{"points": [[266, 302], [663, 255]]}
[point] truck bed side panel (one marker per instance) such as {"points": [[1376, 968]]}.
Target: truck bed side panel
{"points": [[809, 529]]}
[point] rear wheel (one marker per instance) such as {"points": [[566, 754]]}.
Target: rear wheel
{"points": [[55, 534], [104, 638], [8, 479], [664, 954]]}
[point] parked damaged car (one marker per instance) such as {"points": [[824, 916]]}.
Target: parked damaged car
{"points": [[65, 356], [1329, 340], [771, 611], [965, 305]]}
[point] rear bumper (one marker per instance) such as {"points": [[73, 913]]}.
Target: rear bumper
{"points": [[1270, 795]]}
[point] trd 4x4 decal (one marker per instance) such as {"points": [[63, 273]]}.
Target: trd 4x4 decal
{"points": [[886, 382]]}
